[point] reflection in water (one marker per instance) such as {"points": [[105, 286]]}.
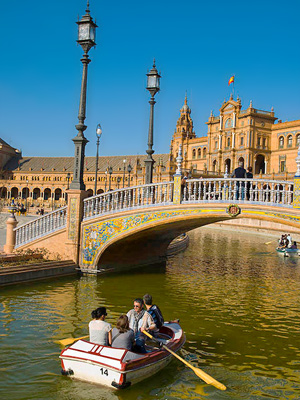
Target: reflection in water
{"points": [[237, 301]]}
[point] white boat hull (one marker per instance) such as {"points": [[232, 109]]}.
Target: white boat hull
{"points": [[114, 367]]}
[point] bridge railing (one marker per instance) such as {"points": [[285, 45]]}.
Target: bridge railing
{"points": [[257, 191], [41, 226], [210, 190], [128, 198]]}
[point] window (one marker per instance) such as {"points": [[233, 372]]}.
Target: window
{"points": [[290, 141], [199, 153], [264, 143], [281, 142], [242, 140], [194, 153], [258, 141], [228, 123], [228, 142], [282, 166], [297, 140], [216, 144], [204, 152]]}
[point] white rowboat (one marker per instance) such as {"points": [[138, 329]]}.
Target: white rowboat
{"points": [[119, 368]]}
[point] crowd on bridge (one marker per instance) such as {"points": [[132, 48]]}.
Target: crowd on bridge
{"points": [[128, 333]]}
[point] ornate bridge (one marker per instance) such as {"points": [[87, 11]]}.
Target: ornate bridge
{"points": [[134, 226]]}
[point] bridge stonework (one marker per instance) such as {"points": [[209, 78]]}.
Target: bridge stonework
{"points": [[134, 226]]}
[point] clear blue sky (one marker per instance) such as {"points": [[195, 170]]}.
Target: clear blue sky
{"points": [[197, 44]]}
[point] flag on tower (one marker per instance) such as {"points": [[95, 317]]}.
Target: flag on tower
{"points": [[231, 80]]}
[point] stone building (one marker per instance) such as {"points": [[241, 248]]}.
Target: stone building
{"points": [[252, 136]]}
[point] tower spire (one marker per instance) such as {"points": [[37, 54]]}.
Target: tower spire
{"points": [[87, 7]]}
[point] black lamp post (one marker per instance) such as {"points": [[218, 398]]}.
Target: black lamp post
{"points": [[98, 134], [68, 180], [105, 181], [110, 171], [86, 39], [129, 169], [124, 169], [27, 193], [153, 80], [118, 181]]}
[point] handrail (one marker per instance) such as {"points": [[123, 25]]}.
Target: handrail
{"points": [[202, 190], [41, 226]]}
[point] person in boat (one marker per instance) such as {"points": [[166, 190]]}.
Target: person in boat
{"points": [[122, 335], [139, 320], [154, 311], [294, 245], [289, 240], [100, 331], [283, 243]]}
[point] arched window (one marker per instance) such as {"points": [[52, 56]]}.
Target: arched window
{"points": [[199, 153], [228, 142], [228, 123], [290, 141], [298, 140], [281, 142], [214, 165], [204, 152], [194, 153]]}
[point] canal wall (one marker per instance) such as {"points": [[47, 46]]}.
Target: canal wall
{"points": [[258, 225], [22, 273]]}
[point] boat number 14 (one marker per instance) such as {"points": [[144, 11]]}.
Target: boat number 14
{"points": [[104, 371]]}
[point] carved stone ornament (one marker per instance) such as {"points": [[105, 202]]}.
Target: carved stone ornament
{"points": [[233, 210]]}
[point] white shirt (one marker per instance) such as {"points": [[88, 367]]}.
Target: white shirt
{"points": [[99, 331]]}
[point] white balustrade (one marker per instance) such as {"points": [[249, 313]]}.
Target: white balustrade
{"points": [[210, 190], [130, 197], [41, 226]]}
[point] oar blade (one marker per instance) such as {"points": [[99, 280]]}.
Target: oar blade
{"points": [[68, 341], [208, 379]]}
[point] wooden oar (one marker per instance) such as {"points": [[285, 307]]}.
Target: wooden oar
{"points": [[66, 342], [271, 241], [203, 375]]}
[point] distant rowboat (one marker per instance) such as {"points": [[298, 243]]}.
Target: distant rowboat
{"points": [[286, 252], [119, 368]]}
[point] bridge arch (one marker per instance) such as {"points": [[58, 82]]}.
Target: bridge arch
{"points": [[134, 239]]}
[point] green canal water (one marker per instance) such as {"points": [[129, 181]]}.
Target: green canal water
{"points": [[238, 303]]}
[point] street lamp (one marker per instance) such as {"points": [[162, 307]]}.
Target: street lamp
{"points": [[98, 134], [129, 169], [124, 168], [105, 180], [68, 179], [153, 81], [86, 39], [27, 193], [110, 171], [118, 181]]}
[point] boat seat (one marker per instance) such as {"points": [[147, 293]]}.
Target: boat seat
{"points": [[130, 355]]}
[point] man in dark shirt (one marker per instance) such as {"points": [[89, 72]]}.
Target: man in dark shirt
{"points": [[239, 173], [249, 175]]}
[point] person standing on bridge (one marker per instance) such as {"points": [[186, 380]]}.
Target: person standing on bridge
{"points": [[249, 175], [239, 173]]}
